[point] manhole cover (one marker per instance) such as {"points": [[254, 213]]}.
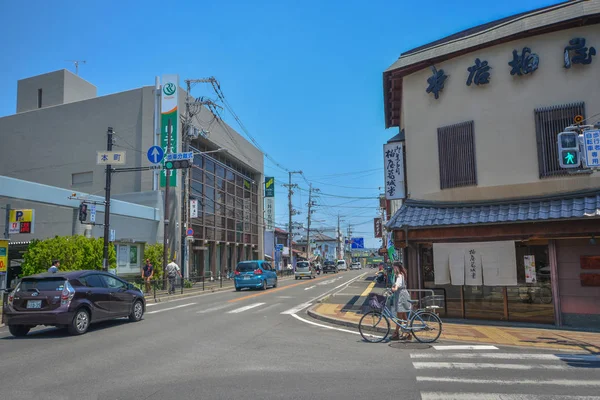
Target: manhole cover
{"points": [[410, 346]]}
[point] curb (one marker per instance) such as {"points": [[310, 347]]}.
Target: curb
{"points": [[332, 320]]}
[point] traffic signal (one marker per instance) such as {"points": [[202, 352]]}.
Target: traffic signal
{"points": [[568, 150], [178, 164], [83, 212]]}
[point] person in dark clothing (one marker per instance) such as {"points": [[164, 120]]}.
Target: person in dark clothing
{"points": [[147, 273]]}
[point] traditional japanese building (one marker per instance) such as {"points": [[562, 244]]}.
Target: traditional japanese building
{"points": [[491, 220]]}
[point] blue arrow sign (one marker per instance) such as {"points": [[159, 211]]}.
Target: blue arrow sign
{"points": [[155, 154]]}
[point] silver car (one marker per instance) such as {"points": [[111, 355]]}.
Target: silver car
{"points": [[304, 270]]}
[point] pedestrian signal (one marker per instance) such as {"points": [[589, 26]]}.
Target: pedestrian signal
{"points": [[568, 150]]}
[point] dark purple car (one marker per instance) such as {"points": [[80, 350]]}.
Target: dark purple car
{"points": [[73, 300]]}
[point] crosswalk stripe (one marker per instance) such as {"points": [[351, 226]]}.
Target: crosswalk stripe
{"points": [[499, 396], [555, 382], [263, 309], [456, 365], [170, 308], [297, 308], [246, 308], [466, 347], [211, 309], [510, 356]]}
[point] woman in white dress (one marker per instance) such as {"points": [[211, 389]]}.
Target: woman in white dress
{"points": [[401, 300]]}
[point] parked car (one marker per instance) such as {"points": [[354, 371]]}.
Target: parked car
{"points": [[304, 269], [356, 265], [330, 266], [73, 300], [255, 274], [341, 264]]}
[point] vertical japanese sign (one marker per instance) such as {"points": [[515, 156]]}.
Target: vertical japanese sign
{"points": [[193, 208], [377, 228], [393, 158], [269, 186], [169, 111], [270, 213], [530, 275], [3, 255], [472, 265]]}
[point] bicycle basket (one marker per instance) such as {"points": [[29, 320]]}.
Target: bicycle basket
{"points": [[377, 302], [435, 301]]}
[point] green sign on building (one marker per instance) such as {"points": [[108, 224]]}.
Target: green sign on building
{"points": [[169, 111], [269, 186]]}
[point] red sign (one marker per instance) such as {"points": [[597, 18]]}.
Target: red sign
{"points": [[25, 227], [590, 262]]}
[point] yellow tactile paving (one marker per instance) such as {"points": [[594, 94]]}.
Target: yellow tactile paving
{"points": [[368, 289], [524, 337]]}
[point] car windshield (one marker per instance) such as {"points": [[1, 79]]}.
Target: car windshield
{"points": [[329, 263], [302, 265], [43, 285], [340, 262], [246, 267]]}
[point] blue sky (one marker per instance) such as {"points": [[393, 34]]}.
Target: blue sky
{"points": [[305, 77]]}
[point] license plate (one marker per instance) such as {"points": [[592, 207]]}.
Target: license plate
{"points": [[246, 277], [34, 304]]}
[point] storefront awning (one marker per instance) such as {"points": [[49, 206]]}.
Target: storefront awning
{"points": [[422, 214]]}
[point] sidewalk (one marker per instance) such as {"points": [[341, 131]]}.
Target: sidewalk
{"points": [[347, 306]]}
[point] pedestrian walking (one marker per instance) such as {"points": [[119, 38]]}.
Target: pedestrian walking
{"points": [[172, 271], [54, 267], [147, 274], [402, 303]]}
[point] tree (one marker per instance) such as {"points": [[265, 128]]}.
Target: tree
{"points": [[74, 253]]}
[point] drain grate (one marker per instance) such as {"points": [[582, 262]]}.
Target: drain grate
{"points": [[410, 346]]}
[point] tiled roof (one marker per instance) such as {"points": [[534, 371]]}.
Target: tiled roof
{"points": [[416, 213]]}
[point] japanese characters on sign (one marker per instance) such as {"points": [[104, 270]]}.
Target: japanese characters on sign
{"points": [[193, 208], [524, 63], [479, 73], [377, 227], [110, 157], [180, 156], [473, 268], [591, 142], [529, 264], [21, 221], [269, 186], [582, 55], [393, 156], [270, 213], [436, 82]]}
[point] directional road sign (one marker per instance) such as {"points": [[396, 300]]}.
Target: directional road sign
{"points": [[358, 243], [279, 247], [180, 156], [155, 154], [591, 148]]}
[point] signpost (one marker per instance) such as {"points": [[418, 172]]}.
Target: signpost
{"points": [[93, 213], [190, 233], [591, 150], [3, 255], [21, 221], [169, 112], [358, 243], [279, 247], [110, 157], [193, 208], [155, 154], [189, 155]]}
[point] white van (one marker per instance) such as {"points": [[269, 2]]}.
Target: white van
{"points": [[341, 264]]}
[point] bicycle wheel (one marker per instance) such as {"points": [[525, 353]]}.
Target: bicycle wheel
{"points": [[545, 295], [426, 327], [374, 327]]}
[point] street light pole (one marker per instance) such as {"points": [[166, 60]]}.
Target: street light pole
{"points": [[109, 145]]}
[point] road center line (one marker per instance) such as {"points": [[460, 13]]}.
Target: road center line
{"points": [[171, 308]]}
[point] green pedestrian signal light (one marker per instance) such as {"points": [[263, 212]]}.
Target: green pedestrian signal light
{"points": [[568, 150], [178, 164]]}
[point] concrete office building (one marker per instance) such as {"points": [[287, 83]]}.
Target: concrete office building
{"points": [[491, 220], [61, 123]]}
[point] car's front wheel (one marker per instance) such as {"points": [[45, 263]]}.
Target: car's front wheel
{"points": [[19, 330], [80, 323], [137, 311]]}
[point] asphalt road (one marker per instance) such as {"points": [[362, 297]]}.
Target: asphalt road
{"points": [[254, 344]]}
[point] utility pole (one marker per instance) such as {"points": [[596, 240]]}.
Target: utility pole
{"points": [[310, 204], [339, 239], [291, 212], [166, 212], [109, 145]]}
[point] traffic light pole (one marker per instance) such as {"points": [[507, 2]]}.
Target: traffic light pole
{"points": [[109, 145]]}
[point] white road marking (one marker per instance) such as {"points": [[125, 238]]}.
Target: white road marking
{"points": [[297, 308], [512, 356], [310, 287], [324, 326], [170, 308], [556, 382], [498, 396], [465, 347], [245, 308], [211, 309], [285, 297], [266, 308], [464, 366]]}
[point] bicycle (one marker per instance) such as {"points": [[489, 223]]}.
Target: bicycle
{"points": [[418, 321]]}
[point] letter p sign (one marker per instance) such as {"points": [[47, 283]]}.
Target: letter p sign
{"points": [[19, 215]]}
